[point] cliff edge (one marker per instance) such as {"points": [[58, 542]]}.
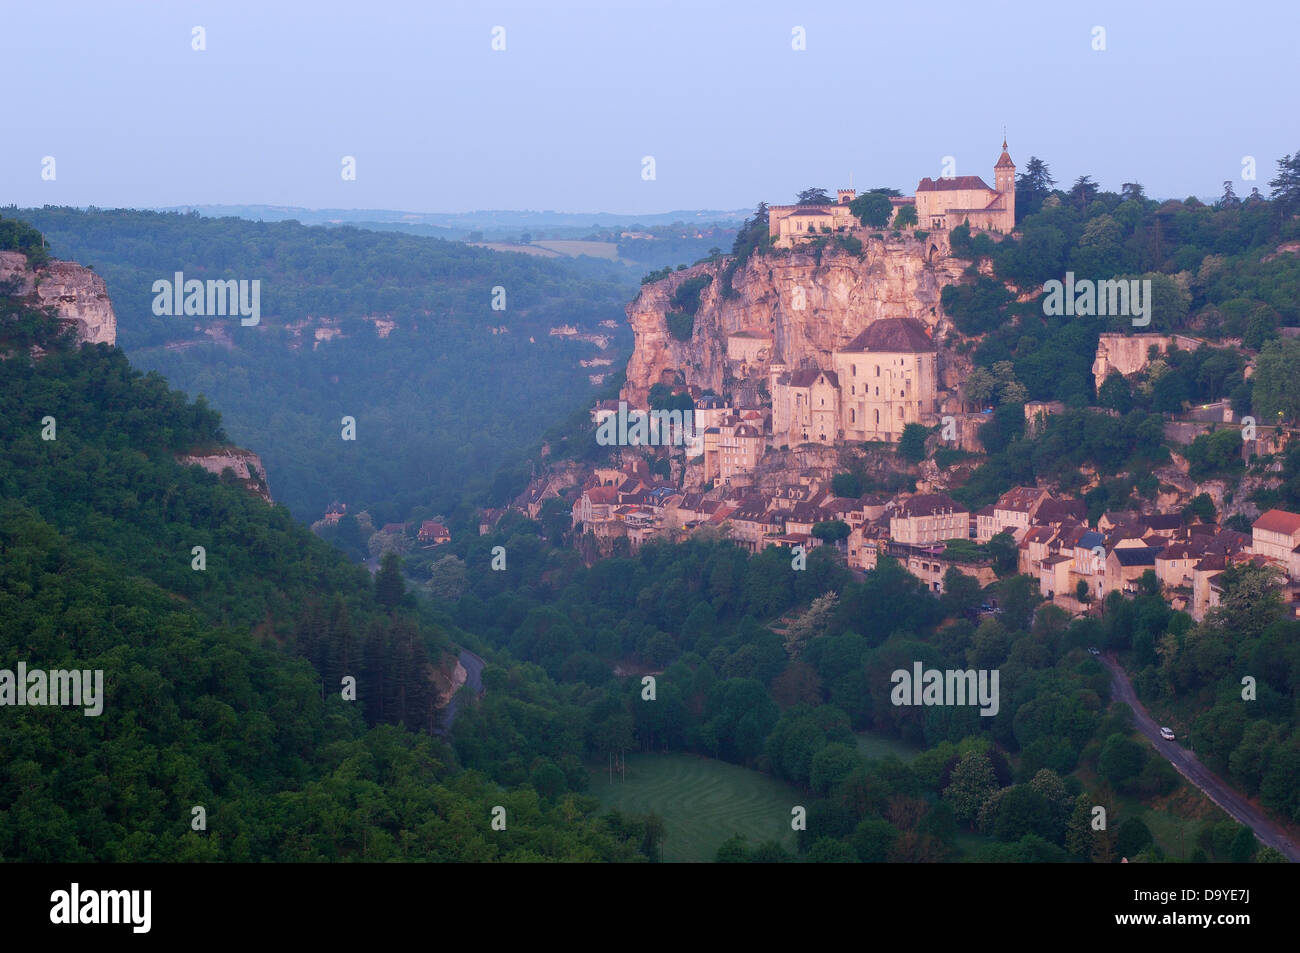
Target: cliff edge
{"points": [[76, 293]]}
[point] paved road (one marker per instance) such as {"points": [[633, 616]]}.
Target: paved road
{"points": [[473, 680], [1190, 767]]}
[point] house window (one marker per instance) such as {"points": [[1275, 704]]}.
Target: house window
{"points": [[877, 370], [853, 416], [900, 413], [854, 369]]}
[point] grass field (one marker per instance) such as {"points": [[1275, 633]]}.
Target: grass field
{"points": [[575, 248], [702, 802], [873, 747]]}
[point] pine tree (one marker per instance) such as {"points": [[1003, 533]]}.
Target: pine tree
{"points": [[390, 587]]}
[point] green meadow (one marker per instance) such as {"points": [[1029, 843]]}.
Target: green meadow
{"points": [[702, 802]]}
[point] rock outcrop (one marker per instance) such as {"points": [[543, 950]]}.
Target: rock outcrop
{"points": [[246, 465], [809, 305], [75, 292]]}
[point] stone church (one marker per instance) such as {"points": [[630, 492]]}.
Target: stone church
{"points": [[882, 380], [949, 202]]}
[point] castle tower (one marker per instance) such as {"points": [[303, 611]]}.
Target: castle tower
{"points": [[1004, 177], [845, 196]]}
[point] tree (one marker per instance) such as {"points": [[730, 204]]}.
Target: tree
{"points": [[1276, 397], [972, 783], [1033, 186], [906, 215], [911, 444], [810, 624], [1081, 591], [873, 840], [1286, 186], [734, 850], [1115, 393], [831, 531], [448, 579], [1133, 836], [979, 386], [390, 587], [872, 209], [1121, 758], [961, 593], [847, 484], [813, 197], [1083, 191], [1229, 199], [831, 765], [1132, 191]]}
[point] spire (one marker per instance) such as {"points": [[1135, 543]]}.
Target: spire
{"points": [[1004, 160]]}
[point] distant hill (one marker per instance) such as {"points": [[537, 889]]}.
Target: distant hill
{"points": [[463, 221], [395, 331]]}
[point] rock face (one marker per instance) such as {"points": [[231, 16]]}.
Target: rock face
{"points": [[75, 292], [247, 467], [808, 304]]}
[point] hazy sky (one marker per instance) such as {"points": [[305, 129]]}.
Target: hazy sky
{"points": [[561, 118]]}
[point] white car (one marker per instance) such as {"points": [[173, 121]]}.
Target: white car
{"points": [[1167, 734]]}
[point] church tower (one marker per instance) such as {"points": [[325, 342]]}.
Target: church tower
{"points": [[1004, 177]]}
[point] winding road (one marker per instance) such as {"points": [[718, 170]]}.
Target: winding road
{"points": [[473, 679], [1189, 766]]}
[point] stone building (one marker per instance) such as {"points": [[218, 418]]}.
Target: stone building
{"points": [[882, 380], [967, 199], [732, 447]]}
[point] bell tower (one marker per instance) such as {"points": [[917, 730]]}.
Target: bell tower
{"points": [[1004, 177]]}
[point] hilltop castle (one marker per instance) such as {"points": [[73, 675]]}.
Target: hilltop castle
{"points": [[942, 203]]}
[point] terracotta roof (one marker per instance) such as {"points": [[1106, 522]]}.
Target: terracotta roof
{"points": [[1004, 160], [893, 335], [960, 182], [1279, 521]]}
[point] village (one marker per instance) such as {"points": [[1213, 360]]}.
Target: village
{"points": [[757, 462], [741, 477]]}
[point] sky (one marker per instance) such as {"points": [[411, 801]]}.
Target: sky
{"points": [[564, 116]]}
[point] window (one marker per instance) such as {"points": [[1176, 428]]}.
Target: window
{"points": [[854, 369], [853, 416], [900, 413], [877, 370]]}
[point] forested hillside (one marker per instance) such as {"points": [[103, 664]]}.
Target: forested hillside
{"points": [[210, 702], [441, 402]]}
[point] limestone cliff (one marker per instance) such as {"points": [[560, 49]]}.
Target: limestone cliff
{"points": [[246, 465], [75, 292], [841, 294]]}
